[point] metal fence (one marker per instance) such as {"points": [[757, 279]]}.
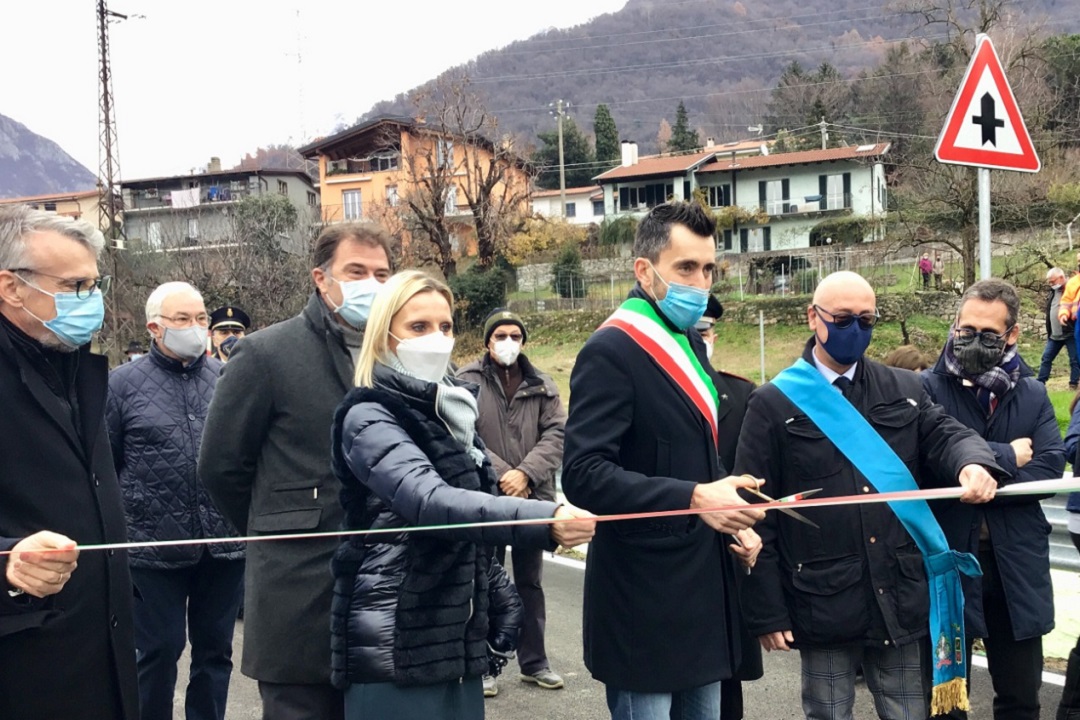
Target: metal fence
{"points": [[1063, 555]]}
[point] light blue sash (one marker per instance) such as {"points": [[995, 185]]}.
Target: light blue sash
{"points": [[865, 449]]}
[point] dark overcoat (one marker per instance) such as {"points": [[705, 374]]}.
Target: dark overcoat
{"points": [[858, 575], [659, 605], [268, 471], [71, 655], [1019, 531]]}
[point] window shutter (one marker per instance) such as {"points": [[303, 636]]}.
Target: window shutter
{"points": [[785, 190], [761, 191], [847, 190], [744, 240], [767, 235], [823, 190]]}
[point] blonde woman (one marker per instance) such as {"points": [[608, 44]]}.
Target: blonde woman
{"points": [[414, 612]]}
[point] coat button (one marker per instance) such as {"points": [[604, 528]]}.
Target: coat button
{"points": [[112, 553], [191, 416], [865, 488], [886, 642], [97, 483], [873, 540], [115, 622], [881, 591]]}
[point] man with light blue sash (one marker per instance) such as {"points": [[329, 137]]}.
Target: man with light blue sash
{"points": [[854, 590]]}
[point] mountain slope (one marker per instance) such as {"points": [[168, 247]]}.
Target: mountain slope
{"points": [[722, 57], [34, 165]]}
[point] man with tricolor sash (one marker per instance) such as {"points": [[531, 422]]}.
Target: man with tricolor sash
{"points": [[869, 584], [661, 615]]}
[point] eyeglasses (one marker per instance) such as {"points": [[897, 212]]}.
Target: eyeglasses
{"points": [[500, 336], [186, 320], [986, 339], [866, 320], [82, 288]]}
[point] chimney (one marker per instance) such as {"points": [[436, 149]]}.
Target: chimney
{"points": [[215, 165], [710, 143], [628, 148], [633, 149]]}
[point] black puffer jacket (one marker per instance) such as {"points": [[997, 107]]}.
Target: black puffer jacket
{"points": [[155, 412], [413, 608]]}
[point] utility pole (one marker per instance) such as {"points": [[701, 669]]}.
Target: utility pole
{"points": [[824, 133], [110, 203], [560, 113]]}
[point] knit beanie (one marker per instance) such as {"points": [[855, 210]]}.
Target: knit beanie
{"points": [[502, 316]]}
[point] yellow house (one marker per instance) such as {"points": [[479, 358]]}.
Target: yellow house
{"points": [[81, 204], [367, 172]]}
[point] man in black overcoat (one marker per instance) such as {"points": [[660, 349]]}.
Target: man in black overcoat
{"points": [[67, 647], [659, 609]]}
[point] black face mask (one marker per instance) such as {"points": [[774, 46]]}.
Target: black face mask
{"points": [[977, 358]]}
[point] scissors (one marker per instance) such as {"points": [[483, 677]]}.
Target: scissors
{"points": [[790, 498]]}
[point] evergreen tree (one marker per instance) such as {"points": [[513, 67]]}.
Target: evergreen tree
{"points": [[683, 139], [577, 155], [607, 136]]}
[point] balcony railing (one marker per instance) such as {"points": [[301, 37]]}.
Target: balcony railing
{"points": [[807, 204]]}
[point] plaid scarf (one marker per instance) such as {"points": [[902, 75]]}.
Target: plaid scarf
{"points": [[993, 383]]}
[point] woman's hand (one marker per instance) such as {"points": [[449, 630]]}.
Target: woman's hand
{"points": [[747, 547], [570, 533]]}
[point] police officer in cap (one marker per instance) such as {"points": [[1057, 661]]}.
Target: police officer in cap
{"points": [[227, 325]]}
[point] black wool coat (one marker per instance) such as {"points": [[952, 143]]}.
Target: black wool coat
{"points": [[71, 655], [659, 600], [858, 576], [1019, 532]]}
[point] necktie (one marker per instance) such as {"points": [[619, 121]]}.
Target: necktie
{"points": [[843, 384]]}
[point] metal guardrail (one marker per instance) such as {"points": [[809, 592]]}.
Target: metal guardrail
{"points": [[1063, 555]]}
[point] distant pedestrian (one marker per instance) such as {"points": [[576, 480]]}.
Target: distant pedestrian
{"points": [[926, 266], [156, 411], [135, 350], [1070, 302], [981, 380], [1058, 333], [521, 421], [67, 648], [939, 270]]}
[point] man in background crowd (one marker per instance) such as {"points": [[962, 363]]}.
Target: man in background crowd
{"points": [[521, 421], [1059, 334], [227, 326]]}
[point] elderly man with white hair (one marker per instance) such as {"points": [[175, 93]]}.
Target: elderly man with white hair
{"points": [[156, 410], [1058, 334], [66, 642]]}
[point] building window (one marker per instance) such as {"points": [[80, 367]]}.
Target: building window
{"points": [[773, 196], [193, 228], [598, 208], [727, 239], [384, 163], [392, 196], [835, 191], [451, 200], [154, 235], [444, 153], [51, 207], [571, 210], [312, 199], [633, 198], [719, 195], [350, 200], [282, 187]]}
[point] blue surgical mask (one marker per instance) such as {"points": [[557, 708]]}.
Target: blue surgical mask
{"points": [[846, 345], [684, 304], [76, 319], [357, 296]]}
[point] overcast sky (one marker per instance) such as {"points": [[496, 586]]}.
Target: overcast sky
{"points": [[200, 78]]}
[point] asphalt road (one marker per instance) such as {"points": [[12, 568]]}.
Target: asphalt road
{"points": [[774, 697]]}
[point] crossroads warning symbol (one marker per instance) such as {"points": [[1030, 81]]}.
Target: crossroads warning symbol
{"points": [[984, 127]]}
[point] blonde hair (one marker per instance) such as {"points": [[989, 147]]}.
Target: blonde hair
{"points": [[397, 291]]}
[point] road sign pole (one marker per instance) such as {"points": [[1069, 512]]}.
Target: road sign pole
{"points": [[985, 263]]}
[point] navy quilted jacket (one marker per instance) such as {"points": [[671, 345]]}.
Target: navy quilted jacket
{"points": [[156, 410]]}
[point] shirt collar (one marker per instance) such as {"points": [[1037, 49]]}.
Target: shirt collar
{"points": [[831, 374]]}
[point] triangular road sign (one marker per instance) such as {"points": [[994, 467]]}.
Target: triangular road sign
{"points": [[984, 127]]}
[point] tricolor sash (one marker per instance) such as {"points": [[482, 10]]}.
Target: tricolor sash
{"points": [[861, 444], [671, 351]]}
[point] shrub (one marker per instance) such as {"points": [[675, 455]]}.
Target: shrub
{"points": [[567, 275], [476, 293]]}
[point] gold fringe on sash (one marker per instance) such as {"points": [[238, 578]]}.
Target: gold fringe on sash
{"points": [[949, 696]]}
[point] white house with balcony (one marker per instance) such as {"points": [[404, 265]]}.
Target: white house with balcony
{"points": [[584, 205], [791, 194]]}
